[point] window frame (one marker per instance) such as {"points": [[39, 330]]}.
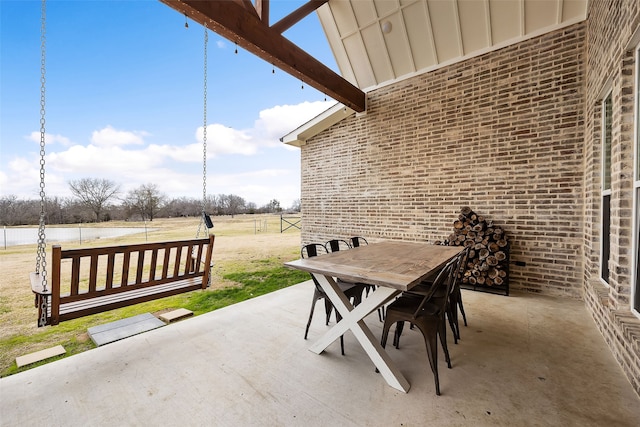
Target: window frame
{"points": [[605, 193], [635, 273]]}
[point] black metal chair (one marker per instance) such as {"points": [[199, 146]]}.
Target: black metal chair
{"points": [[336, 245], [352, 291], [455, 298], [358, 241], [427, 313]]}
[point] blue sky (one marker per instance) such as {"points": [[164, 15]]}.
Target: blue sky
{"points": [[124, 101]]}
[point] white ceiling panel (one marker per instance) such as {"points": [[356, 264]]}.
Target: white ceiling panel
{"points": [[377, 52], [344, 18], [507, 21], [397, 45], [541, 14], [475, 25], [359, 60], [420, 35], [377, 41], [386, 7], [446, 29], [365, 13]]}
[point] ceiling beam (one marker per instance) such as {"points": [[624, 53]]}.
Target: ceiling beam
{"points": [[233, 22], [262, 6], [296, 16]]}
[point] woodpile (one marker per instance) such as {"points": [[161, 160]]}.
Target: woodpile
{"points": [[488, 261]]}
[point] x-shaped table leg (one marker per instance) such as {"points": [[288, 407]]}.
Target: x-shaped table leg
{"points": [[353, 319]]}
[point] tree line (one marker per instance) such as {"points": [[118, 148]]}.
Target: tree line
{"points": [[97, 200]]}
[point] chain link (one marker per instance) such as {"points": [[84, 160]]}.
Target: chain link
{"points": [[42, 302], [204, 134], [41, 259]]}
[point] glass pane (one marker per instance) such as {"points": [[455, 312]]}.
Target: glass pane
{"points": [[606, 227], [636, 294], [638, 114], [606, 143]]}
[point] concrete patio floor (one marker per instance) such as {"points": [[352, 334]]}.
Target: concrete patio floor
{"points": [[524, 360]]}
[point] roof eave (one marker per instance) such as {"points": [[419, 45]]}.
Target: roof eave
{"points": [[323, 121]]}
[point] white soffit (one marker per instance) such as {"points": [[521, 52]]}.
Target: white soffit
{"points": [[324, 120], [380, 41]]}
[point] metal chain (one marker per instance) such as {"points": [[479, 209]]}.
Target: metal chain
{"points": [[42, 301], [41, 259], [204, 134]]}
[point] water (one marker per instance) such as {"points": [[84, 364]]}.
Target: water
{"points": [[29, 236]]}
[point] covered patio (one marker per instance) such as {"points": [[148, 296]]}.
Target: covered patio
{"points": [[523, 360]]}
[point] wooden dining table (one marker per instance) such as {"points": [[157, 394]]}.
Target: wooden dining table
{"points": [[393, 266]]}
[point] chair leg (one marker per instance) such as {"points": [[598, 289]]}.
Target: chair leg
{"points": [[452, 316], [339, 318], [464, 316], [328, 308], [313, 305], [398, 334], [431, 342], [442, 331]]}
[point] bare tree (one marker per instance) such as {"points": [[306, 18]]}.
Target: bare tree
{"points": [[296, 206], [273, 206], [230, 204], [145, 200], [94, 193]]}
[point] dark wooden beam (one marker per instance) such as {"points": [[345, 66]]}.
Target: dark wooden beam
{"points": [[248, 6], [262, 6], [296, 16], [233, 22]]}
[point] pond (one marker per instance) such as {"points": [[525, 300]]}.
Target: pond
{"points": [[13, 236]]}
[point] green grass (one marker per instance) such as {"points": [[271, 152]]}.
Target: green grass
{"points": [[271, 277]]}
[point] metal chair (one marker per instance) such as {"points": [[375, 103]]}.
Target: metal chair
{"points": [[358, 241], [455, 298], [336, 245], [352, 291], [427, 313]]}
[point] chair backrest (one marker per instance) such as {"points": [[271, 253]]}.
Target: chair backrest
{"points": [[446, 277], [312, 249], [462, 266], [309, 251], [357, 241], [336, 245]]}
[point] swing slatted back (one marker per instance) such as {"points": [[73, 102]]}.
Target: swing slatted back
{"points": [[93, 280]]}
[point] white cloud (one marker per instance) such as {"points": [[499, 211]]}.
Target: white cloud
{"points": [[125, 157], [225, 140], [49, 139], [110, 137], [278, 121]]}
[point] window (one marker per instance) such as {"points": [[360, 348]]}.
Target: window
{"points": [[635, 290], [607, 112]]}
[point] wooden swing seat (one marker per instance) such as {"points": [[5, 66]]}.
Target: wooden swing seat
{"points": [[132, 274]]}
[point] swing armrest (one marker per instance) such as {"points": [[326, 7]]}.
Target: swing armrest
{"points": [[37, 285]]}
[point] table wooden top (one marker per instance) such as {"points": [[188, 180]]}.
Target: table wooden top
{"points": [[395, 264]]}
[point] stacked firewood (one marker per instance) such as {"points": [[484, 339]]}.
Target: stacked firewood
{"points": [[487, 264]]}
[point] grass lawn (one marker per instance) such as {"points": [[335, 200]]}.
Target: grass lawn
{"points": [[248, 255]]}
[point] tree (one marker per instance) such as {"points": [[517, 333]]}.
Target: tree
{"points": [[145, 200], [230, 204], [94, 193], [273, 206], [296, 206]]}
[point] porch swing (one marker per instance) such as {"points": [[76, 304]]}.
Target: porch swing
{"points": [[129, 274]]}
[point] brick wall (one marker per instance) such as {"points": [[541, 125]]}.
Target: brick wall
{"points": [[501, 133], [611, 66]]}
